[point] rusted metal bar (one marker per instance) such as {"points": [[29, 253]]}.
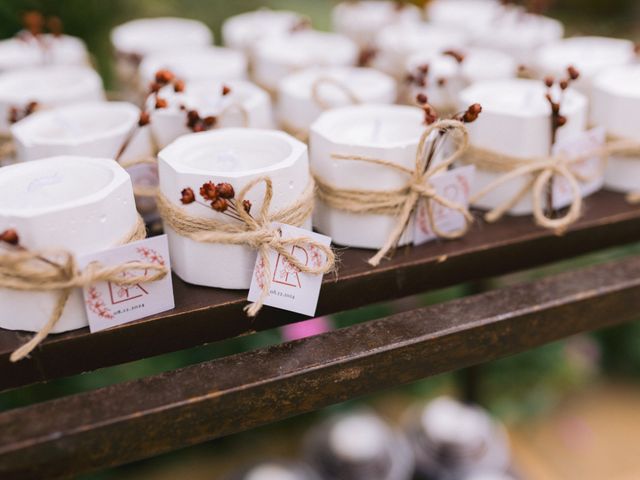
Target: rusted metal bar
{"points": [[147, 417]]}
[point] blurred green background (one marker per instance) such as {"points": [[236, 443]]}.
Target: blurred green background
{"points": [[514, 388]]}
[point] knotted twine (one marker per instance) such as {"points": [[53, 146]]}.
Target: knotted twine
{"points": [[402, 202], [316, 96], [540, 172], [255, 232], [57, 271]]}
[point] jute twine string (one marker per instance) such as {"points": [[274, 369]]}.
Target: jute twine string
{"points": [[256, 232], [539, 172], [402, 202], [7, 149], [151, 190], [57, 271]]}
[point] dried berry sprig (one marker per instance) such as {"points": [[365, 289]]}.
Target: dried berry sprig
{"points": [[197, 123], [555, 98], [219, 197], [35, 25], [367, 55], [16, 114], [431, 116]]}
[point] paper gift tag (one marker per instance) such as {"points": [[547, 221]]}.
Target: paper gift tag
{"points": [[108, 304], [291, 289], [454, 185], [590, 168]]}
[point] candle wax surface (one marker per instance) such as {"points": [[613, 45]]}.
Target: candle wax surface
{"points": [[588, 54], [236, 153], [463, 13], [407, 39], [37, 185], [213, 63], [64, 49], [525, 98], [241, 31], [623, 81], [372, 125], [148, 35], [309, 47]]}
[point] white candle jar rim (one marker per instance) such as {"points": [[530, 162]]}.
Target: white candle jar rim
{"points": [[588, 54], [241, 31], [623, 80], [146, 35], [97, 120], [521, 98], [50, 85], [62, 49], [188, 153], [192, 64], [415, 37]]}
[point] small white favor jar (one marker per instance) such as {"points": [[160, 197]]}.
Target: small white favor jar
{"points": [[278, 56], [304, 95], [443, 76], [134, 40], [615, 106], [516, 122], [361, 20], [590, 55], [234, 156], [469, 15], [235, 103], [195, 64], [396, 43], [48, 49], [47, 86], [386, 132], [518, 33], [242, 32], [78, 204]]}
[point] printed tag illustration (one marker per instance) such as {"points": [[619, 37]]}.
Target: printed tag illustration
{"points": [[109, 304], [289, 288], [454, 185]]}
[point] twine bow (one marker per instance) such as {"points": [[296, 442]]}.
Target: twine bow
{"points": [[257, 232], [403, 201], [541, 172], [326, 80], [57, 271]]}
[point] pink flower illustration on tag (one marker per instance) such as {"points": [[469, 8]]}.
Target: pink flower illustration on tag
{"points": [[97, 305]]}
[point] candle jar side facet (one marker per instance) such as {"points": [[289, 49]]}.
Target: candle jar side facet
{"points": [[79, 204], [234, 156], [615, 106], [386, 132]]}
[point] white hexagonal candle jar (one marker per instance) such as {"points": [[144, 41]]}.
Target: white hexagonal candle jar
{"points": [[615, 106], [516, 121], [234, 103], [304, 95], [236, 156], [78, 204], [386, 132], [48, 87]]}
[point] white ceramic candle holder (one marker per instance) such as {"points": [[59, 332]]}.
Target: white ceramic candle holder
{"points": [[304, 95], [469, 15], [362, 20], [79, 204], [235, 156], [48, 86], [242, 32], [446, 78], [206, 98], [50, 50], [615, 105], [518, 33], [211, 63], [516, 121], [590, 55], [387, 132], [278, 56], [134, 40], [396, 43]]}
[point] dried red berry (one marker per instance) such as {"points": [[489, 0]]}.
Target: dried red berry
{"points": [[422, 99], [219, 205], [246, 204], [549, 81], [442, 82], [209, 121], [457, 56], [10, 236], [54, 24], [178, 86], [472, 113], [226, 90], [225, 190], [424, 68], [187, 196], [161, 103], [164, 76], [154, 87], [33, 22], [561, 121], [564, 84], [144, 119], [209, 191], [573, 72]]}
